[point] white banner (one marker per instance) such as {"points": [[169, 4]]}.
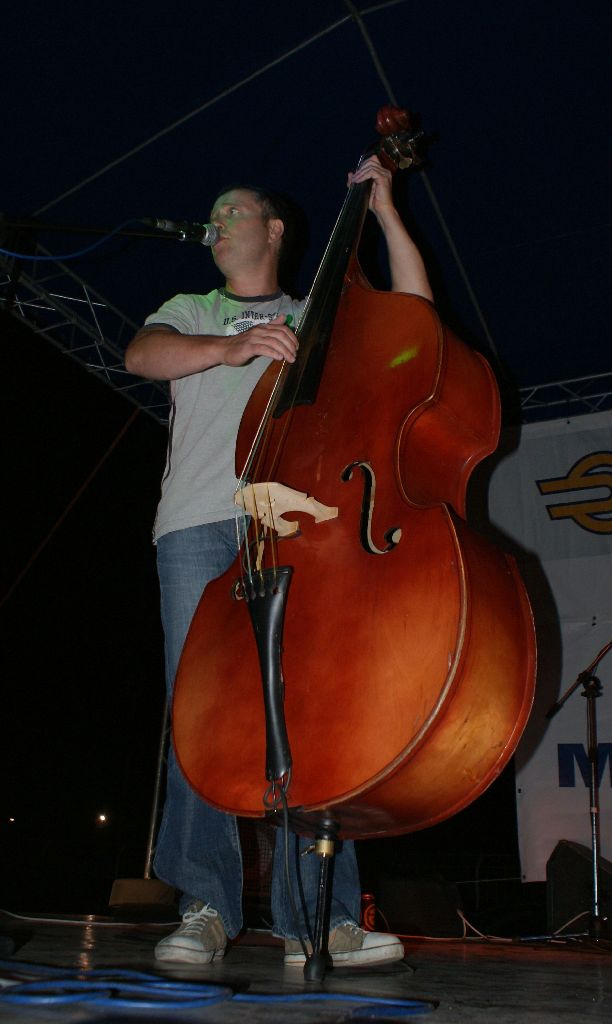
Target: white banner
{"points": [[552, 498]]}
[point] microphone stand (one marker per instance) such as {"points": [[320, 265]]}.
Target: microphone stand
{"points": [[592, 688]]}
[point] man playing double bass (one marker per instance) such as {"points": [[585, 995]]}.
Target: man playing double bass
{"points": [[213, 349]]}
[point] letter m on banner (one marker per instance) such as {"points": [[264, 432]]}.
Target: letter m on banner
{"points": [[571, 754]]}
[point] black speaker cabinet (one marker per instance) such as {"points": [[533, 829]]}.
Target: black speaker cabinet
{"points": [[569, 885]]}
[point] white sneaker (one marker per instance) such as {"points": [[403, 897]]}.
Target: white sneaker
{"points": [[199, 939], [351, 946]]}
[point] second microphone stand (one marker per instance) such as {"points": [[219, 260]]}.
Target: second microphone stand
{"points": [[592, 689]]}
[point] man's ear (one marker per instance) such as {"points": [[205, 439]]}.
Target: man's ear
{"points": [[276, 229]]}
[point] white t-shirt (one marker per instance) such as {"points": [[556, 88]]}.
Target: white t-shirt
{"points": [[199, 480]]}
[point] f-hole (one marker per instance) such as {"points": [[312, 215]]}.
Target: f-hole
{"points": [[393, 534]]}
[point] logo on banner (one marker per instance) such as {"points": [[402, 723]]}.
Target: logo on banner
{"points": [[591, 473], [573, 755]]}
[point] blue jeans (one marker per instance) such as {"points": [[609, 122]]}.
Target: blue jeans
{"points": [[198, 849]]}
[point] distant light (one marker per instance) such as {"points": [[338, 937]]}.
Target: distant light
{"points": [[102, 819], [12, 821]]}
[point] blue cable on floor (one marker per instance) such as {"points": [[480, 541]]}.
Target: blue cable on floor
{"points": [[124, 989]]}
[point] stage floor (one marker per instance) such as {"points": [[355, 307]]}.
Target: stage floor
{"points": [[506, 982]]}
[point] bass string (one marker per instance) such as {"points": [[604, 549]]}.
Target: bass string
{"points": [[259, 455]]}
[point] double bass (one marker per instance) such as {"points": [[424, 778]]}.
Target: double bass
{"points": [[367, 653]]}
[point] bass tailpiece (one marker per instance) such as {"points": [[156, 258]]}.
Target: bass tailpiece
{"points": [[265, 593]]}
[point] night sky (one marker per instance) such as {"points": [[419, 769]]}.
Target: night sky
{"points": [[147, 111]]}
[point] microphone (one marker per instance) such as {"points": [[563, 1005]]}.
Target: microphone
{"points": [[206, 234]]}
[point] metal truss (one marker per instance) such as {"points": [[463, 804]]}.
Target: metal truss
{"points": [[566, 398], [61, 307]]}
